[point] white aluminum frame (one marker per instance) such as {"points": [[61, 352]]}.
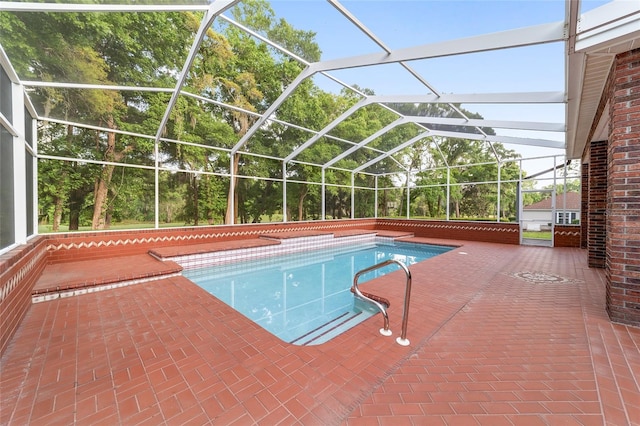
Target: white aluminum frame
{"points": [[604, 27]]}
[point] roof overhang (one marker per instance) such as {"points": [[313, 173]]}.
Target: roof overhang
{"points": [[597, 37]]}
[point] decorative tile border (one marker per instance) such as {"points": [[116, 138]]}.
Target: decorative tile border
{"points": [[287, 246], [542, 278], [259, 263], [569, 233], [193, 237], [104, 241], [20, 274], [458, 226], [94, 289]]}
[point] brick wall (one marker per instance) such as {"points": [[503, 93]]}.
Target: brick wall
{"points": [[584, 206], [567, 235], [19, 270], [96, 245], [596, 217], [505, 233], [623, 194]]}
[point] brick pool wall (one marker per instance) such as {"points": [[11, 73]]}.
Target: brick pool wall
{"points": [[567, 235], [98, 245], [19, 270], [505, 233], [21, 267]]}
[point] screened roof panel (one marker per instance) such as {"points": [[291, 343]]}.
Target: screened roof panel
{"points": [[363, 122], [362, 156], [423, 159], [202, 3], [330, 83], [196, 121], [335, 34], [177, 155], [64, 50], [549, 113], [303, 172], [386, 79], [385, 165], [433, 21], [394, 137], [323, 150], [137, 111], [304, 108], [505, 70], [258, 166], [86, 144], [274, 81]]}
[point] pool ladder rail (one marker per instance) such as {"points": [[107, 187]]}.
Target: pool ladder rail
{"points": [[385, 331]]}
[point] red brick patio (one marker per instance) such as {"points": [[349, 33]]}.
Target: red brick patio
{"points": [[500, 334]]}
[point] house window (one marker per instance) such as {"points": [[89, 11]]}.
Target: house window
{"points": [[566, 218]]}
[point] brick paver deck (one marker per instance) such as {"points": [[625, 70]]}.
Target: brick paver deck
{"points": [[65, 276], [499, 335]]}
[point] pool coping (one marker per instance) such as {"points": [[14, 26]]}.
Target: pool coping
{"points": [[57, 280], [269, 245]]}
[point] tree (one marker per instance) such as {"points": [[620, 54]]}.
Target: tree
{"points": [[265, 72], [134, 49], [469, 164]]}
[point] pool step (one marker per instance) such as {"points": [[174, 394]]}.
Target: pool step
{"points": [[330, 329]]}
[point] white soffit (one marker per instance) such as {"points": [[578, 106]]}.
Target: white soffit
{"points": [[602, 33]]}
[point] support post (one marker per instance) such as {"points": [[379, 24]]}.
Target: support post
{"points": [[232, 193], [353, 195], [448, 191], [498, 214], [408, 197], [323, 209], [284, 192], [375, 197]]}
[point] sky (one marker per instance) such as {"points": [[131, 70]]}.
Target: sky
{"points": [[402, 24]]}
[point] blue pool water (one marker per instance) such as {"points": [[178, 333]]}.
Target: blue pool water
{"points": [[305, 298]]}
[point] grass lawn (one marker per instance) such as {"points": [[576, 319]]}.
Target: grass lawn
{"points": [[538, 235], [45, 229]]}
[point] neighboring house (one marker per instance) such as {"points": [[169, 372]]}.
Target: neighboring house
{"points": [[537, 216]]}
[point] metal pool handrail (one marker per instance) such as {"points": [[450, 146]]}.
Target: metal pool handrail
{"points": [[402, 340]]}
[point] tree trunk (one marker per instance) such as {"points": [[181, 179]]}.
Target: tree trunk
{"points": [[76, 200], [242, 122], [100, 193], [101, 188], [59, 199], [196, 214], [403, 203], [57, 213], [301, 198], [232, 210], [385, 211], [74, 219]]}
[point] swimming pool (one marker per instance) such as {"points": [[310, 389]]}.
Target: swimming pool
{"points": [[305, 298]]}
